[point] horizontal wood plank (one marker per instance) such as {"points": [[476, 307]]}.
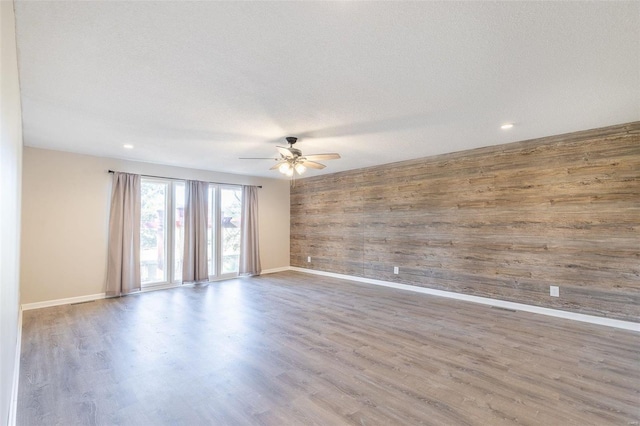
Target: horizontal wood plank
{"points": [[562, 210]]}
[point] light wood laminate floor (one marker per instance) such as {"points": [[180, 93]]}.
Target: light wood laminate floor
{"points": [[293, 348]]}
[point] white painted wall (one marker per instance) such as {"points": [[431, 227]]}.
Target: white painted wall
{"points": [[65, 215], [10, 171]]}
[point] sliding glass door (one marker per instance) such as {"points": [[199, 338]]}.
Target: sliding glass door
{"points": [[178, 229], [153, 231], [162, 231], [225, 204], [230, 207]]}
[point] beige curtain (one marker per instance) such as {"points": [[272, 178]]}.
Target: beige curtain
{"points": [[194, 264], [249, 244], [123, 263]]}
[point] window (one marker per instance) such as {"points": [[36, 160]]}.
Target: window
{"points": [[178, 229], [162, 231], [225, 203], [230, 207], [153, 237], [162, 203]]}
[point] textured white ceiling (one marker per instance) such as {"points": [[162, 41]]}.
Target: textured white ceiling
{"points": [[199, 84]]}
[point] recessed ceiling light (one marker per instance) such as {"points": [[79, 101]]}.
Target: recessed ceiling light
{"points": [[506, 126], [127, 146]]}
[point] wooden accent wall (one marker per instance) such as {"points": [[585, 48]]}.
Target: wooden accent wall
{"points": [[504, 222]]}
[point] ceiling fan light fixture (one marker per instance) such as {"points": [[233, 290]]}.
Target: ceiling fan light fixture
{"points": [[300, 168], [284, 168], [289, 172]]}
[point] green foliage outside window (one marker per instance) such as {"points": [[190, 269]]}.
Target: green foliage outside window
{"points": [[152, 213]]}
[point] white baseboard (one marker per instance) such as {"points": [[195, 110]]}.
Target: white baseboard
{"points": [[592, 319], [274, 270], [13, 407], [626, 325], [90, 297], [58, 302]]}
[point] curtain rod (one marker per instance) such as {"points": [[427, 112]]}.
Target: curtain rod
{"points": [[164, 177]]}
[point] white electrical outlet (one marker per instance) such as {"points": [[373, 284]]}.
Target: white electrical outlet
{"points": [[396, 270], [554, 291], [308, 259]]}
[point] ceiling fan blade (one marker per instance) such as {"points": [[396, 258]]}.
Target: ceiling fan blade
{"points": [[314, 157], [285, 152], [257, 158], [277, 165], [313, 165]]}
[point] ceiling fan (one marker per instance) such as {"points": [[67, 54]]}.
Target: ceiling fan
{"points": [[292, 161]]}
